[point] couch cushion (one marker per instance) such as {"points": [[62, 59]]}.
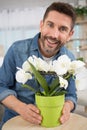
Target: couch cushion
{"points": [[81, 79], [82, 97]]}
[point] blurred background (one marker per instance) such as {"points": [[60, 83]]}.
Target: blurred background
{"points": [[19, 19]]}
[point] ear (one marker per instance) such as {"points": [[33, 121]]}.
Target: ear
{"points": [[41, 24], [70, 35]]}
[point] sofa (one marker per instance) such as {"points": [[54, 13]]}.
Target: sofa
{"points": [[81, 85], [82, 99]]}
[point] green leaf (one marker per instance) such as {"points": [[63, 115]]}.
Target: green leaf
{"points": [[57, 91], [55, 84], [40, 79], [29, 87], [60, 93], [67, 76]]}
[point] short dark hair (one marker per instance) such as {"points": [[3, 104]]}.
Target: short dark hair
{"points": [[64, 8]]}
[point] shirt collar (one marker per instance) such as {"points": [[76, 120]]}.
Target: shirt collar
{"points": [[34, 45]]}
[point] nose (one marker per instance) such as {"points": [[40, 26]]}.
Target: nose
{"points": [[55, 33]]}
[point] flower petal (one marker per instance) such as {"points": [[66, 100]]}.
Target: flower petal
{"points": [[22, 76]]}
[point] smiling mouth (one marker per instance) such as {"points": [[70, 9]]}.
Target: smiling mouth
{"points": [[52, 41]]}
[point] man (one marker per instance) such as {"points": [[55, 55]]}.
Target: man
{"points": [[56, 29]]}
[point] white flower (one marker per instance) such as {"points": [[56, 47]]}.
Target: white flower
{"points": [[26, 66], [22, 76], [38, 63], [61, 65], [41, 65], [31, 59], [76, 66], [63, 82]]}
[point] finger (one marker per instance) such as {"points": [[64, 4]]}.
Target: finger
{"points": [[33, 108], [34, 120], [65, 117], [32, 117], [33, 114]]}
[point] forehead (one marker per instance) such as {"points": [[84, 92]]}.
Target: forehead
{"points": [[59, 18]]}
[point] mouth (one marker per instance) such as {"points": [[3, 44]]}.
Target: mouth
{"points": [[52, 42]]}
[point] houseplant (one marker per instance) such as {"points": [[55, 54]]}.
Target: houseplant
{"points": [[85, 12], [61, 70], [81, 12]]}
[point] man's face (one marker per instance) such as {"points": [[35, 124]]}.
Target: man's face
{"points": [[55, 32]]}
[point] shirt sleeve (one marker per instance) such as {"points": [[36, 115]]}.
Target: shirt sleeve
{"points": [[71, 92], [7, 73]]}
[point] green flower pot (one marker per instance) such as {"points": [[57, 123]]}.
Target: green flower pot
{"points": [[50, 108]]}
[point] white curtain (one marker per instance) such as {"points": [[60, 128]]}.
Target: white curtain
{"points": [[19, 24]]}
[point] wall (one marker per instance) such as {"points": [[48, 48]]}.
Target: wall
{"points": [[12, 4]]}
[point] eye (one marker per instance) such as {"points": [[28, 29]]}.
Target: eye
{"points": [[63, 29], [50, 24]]}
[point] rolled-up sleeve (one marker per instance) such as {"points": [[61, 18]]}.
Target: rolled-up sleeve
{"points": [[5, 93]]}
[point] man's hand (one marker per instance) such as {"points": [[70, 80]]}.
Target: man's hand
{"points": [[68, 106], [31, 113]]}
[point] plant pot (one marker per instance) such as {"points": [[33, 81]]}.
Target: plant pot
{"points": [[50, 108]]}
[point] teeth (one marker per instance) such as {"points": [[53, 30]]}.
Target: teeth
{"points": [[51, 41]]}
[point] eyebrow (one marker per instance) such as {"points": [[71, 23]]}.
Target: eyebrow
{"points": [[50, 22]]}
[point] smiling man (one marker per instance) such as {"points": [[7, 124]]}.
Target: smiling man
{"points": [[56, 29]]}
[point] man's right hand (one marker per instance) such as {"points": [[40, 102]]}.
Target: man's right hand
{"points": [[29, 112]]}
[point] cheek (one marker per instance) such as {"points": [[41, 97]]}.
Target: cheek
{"points": [[45, 31], [63, 38]]}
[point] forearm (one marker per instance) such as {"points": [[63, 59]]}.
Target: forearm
{"points": [[13, 103]]}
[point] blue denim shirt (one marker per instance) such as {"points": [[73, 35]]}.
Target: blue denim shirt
{"points": [[16, 55]]}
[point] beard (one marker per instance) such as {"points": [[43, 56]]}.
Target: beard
{"points": [[53, 47]]}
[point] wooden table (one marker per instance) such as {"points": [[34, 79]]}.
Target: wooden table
{"points": [[76, 122]]}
